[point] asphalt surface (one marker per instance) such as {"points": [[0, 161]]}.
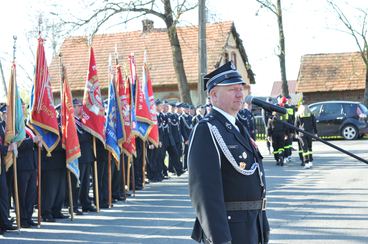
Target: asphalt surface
{"points": [[325, 204]]}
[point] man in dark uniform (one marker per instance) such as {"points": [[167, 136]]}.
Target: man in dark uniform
{"points": [[226, 176], [84, 163], [276, 134], [5, 223], [246, 117], [53, 182], [154, 170], [201, 109], [27, 176], [185, 129], [168, 141]]}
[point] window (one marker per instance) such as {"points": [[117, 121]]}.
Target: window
{"points": [[315, 109], [332, 109], [233, 58]]}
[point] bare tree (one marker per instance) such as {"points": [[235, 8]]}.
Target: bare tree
{"points": [[359, 35], [162, 9], [277, 10]]}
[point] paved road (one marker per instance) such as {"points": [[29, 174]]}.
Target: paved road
{"points": [[326, 204]]}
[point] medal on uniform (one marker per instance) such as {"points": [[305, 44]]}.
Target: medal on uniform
{"points": [[242, 165]]}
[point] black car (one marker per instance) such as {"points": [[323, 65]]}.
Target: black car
{"points": [[341, 118]]}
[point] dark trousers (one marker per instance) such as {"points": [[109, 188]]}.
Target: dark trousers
{"points": [[84, 177], [305, 143], [4, 203], [53, 184], [138, 164], [186, 147], [27, 194], [155, 164], [174, 159], [117, 179], [103, 181], [278, 143]]}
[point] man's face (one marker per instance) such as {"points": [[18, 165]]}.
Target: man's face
{"points": [[158, 107], [228, 98], [165, 108], [77, 110]]}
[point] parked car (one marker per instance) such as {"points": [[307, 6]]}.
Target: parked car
{"points": [[341, 118]]}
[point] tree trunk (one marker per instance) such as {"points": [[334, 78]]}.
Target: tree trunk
{"points": [[177, 55], [285, 88], [365, 99]]}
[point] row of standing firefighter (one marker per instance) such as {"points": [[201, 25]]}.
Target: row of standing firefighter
{"points": [[175, 122], [281, 136]]}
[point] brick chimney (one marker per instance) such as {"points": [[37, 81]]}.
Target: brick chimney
{"points": [[147, 25]]}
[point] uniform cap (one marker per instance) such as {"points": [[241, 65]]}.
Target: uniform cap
{"points": [[222, 76], [77, 101]]}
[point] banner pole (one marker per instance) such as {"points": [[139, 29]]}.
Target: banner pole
{"points": [[123, 177], [97, 199], [39, 186], [109, 179], [16, 194], [71, 207]]}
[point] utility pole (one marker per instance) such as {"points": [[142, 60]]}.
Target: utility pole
{"points": [[202, 50]]}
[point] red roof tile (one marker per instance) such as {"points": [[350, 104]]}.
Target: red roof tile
{"points": [[74, 52], [331, 72]]}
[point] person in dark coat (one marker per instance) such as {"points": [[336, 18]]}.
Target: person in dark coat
{"points": [[85, 162], [53, 183], [276, 134], [305, 120], [5, 223], [246, 117], [226, 176], [170, 140], [186, 127], [27, 176], [201, 109]]}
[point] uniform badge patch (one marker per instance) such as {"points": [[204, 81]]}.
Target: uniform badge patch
{"points": [[242, 165]]}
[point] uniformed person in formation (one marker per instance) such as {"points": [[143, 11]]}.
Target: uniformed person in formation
{"points": [[226, 175]]}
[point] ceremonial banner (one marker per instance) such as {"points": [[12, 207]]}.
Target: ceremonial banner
{"points": [[69, 139], [140, 111], [15, 127], [124, 102], [43, 115], [153, 135], [113, 124], [93, 115]]}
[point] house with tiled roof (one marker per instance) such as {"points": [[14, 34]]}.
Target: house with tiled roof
{"points": [[331, 76], [223, 44]]}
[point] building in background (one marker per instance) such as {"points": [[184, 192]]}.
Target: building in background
{"points": [[331, 76], [223, 44]]}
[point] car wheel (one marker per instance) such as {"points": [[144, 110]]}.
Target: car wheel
{"points": [[349, 132]]}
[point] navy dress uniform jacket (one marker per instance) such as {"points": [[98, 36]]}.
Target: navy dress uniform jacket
{"points": [[213, 180]]}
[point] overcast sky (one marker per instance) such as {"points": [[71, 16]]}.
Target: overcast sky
{"points": [[310, 27]]}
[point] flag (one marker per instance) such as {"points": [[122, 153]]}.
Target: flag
{"points": [[69, 138], [153, 135], [124, 102], [113, 126], [43, 115], [141, 116], [15, 127], [93, 115]]}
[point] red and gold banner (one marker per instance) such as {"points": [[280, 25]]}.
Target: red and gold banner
{"points": [[93, 115]]}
